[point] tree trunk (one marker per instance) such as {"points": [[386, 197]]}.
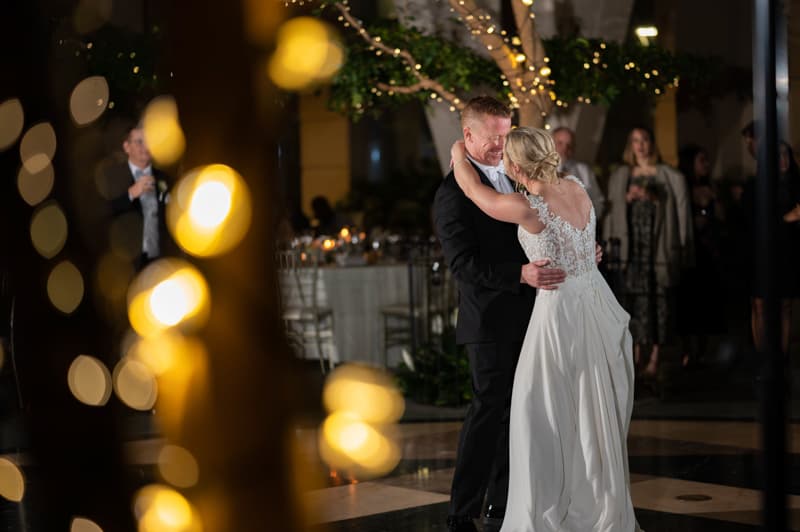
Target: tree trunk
{"points": [[530, 115]]}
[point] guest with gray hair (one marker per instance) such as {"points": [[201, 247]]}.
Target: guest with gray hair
{"points": [[142, 189], [564, 139]]}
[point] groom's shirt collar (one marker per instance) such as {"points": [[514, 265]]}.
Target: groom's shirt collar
{"points": [[492, 172]]}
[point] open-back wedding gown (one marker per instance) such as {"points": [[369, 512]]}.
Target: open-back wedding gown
{"points": [[572, 396]]}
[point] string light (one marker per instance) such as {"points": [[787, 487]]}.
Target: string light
{"points": [[525, 71]]}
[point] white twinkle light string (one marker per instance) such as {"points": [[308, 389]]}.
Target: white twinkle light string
{"points": [[521, 59], [519, 65]]}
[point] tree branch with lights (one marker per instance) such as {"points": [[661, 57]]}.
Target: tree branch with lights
{"points": [[424, 82], [390, 63]]}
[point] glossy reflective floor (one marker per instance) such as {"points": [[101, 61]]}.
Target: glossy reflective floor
{"points": [[686, 475], [694, 457], [693, 453]]}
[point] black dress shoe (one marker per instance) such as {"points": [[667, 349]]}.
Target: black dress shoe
{"points": [[493, 518], [457, 523], [495, 511]]}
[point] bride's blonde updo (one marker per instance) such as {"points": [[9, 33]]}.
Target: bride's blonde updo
{"points": [[534, 151]]}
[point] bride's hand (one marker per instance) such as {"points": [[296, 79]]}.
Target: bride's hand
{"points": [[457, 152]]}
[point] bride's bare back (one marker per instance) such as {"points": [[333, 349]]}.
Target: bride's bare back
{"points": [[566, 199]]}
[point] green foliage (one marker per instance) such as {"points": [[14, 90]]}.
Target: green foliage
{"points": [[441, 374], [619, 69], [131, 62], [355, 91], [581, 68]]}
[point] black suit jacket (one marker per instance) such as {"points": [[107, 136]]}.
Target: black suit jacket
{"points": [[119, 179], [486, 259]]}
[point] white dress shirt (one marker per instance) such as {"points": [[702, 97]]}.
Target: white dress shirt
{"points": [[497, 176]]}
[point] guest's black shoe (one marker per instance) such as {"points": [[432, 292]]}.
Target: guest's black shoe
{"points": [[456, 523], [493, 518]]}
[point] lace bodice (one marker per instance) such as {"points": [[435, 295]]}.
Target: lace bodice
{"points": [[567, 247]]}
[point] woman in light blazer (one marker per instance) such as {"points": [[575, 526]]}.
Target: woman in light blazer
{"points": [[650, 215]]}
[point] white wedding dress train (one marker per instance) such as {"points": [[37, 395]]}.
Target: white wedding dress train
{"points": [[572, 396]]}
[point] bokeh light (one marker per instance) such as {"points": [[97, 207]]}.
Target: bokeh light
{"points": [[38, 147], [210, 204], [161, 353], [34, 188], [90, 15], [181, 366], [49, 230], [12, 482], [308, 52], [65, 287], [177, 466], [167, 293], [89, 380], [12, 120], [135, 384], [81, 524], [162, 130], [210, 210], [347, 442], [368, 393], [89, 99], [162, 509], [364, 404]]}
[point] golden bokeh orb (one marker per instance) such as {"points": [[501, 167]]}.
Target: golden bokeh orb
{"points": [[168, 293], [65, 287], [89, 380], [177, 466], [12, 120], [38, 147], [161, 352], [12, 482], [347, 442], [135, 384], [49, 230], [210, 210], [367, 393], [162, 130], [162, 509], [82, 524], [90, 15], [308, 52], [34, 188], [89, 99]]}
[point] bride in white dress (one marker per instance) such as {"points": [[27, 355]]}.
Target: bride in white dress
{"points": [[573, 388]]}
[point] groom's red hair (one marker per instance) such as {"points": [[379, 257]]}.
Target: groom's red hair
{"points": [[483, 106]]}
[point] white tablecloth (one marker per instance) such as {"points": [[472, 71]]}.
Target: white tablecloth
{"points": [[356, 294]]}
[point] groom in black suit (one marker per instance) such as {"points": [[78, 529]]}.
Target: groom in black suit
{"points": [[495, 283], [141, 189]]}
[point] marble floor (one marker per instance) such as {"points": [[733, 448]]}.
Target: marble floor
{"points": [[685, 475], [694, 454]]}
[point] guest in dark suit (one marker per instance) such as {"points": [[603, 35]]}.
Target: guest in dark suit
{"points": [[144, 192], [495, 284]]}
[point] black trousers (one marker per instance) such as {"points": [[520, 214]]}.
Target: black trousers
{"points": [[482, 460]]}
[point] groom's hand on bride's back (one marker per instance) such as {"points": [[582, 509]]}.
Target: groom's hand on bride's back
{"points": [[538, 275]]}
